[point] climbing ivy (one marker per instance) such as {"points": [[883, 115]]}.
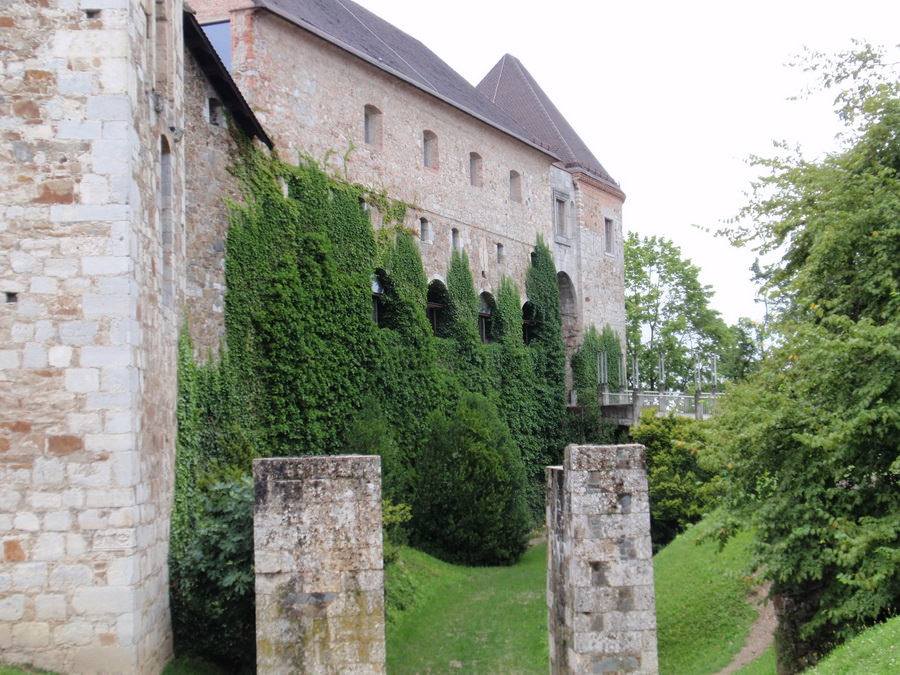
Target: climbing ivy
{"points": [[311, 366]]}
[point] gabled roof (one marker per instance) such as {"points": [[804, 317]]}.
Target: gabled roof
{"points": [[360, 32], [511, 87], [214, 70]]}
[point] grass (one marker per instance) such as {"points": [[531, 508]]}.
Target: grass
{"points": [[764, 664], [874, 652], [470, 620], [703, 616]]}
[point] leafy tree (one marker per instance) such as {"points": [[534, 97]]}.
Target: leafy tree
{"points": [[680, 489], [668, 313], [469, 505], [588, 426], [740, 350], [809, 445]]}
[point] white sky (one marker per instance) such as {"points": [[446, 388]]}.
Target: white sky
{"points": [[671, 97]]}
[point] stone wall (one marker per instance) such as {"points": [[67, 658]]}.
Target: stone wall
{"points": [[601, 608], [319, 566], [312, 103], [90, 236]]}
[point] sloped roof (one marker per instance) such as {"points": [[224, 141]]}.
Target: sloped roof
{"points": [[211, 65], [511, 87], [369, 37]]}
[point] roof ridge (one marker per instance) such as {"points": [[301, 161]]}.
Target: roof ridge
{"points": [[526, 77]]}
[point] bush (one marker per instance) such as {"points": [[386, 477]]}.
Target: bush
{"points": [[213, 580], [469, 506], [680, 491]]}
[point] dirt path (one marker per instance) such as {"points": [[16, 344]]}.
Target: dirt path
{"points": [[762, 633]]}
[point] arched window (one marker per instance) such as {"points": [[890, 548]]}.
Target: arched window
{"points": [[454, 239], [425, 231], [515, 186], [486, 307], [430, 149], [378, 305], [475, 168], [529, 321], [438, 299], [372, 126], [568, 306]]}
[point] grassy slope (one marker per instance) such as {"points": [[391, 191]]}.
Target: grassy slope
{"points": [[874, 652], [702, 614], [481, 619]]}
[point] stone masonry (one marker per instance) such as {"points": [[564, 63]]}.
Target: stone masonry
{"points": [[319, 566], [601, 608], [310, 94], [90, 238]]}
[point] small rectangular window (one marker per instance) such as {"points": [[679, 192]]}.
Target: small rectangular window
{"points": [[499, 254], [372, 126], [560, 216], [430, 149], [475, 165], [609, 235], [515, 186]]}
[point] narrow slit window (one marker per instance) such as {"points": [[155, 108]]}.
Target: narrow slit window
{"points": [[515, 186], [430, 149], [609, 234], [475, 169], [372, 122], [499, 254], [454, 239], [425, 233]]}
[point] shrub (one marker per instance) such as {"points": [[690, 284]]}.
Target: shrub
{"points": [[470, 506], [680, 491], [213, 580]]}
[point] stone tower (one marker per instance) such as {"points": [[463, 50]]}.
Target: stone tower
{"points": [[91, 233]]}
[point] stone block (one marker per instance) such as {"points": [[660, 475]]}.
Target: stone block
{"points": [[12, 607], [31, 635], [50, 607], [104, 660], [103, 600], [82, 380]]}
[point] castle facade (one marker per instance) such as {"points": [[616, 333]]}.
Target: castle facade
{"points": [[117, 121]]}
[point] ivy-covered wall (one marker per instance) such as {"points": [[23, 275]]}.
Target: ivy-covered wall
{"points": [[329, 350]]}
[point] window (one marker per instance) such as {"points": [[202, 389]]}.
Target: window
{"points": [[475, 163], [377, 300], [425, 233], [372, 125], [485, 320], [609, 234], [438, 299], [216, 112], [430, 148], [529, 322], [515, 186], [219, 35], [499, 254], [560, 215], [454, 239]]}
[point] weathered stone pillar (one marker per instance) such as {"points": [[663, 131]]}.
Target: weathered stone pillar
{"points": [[319, 566], [602, 615]]}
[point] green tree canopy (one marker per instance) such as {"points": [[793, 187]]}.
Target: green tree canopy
{"points": [[809, 446], [668, 313]]}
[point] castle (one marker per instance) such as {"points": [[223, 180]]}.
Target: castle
{"points": [[118, 121]]}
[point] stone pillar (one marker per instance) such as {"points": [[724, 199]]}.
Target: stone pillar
{"points": [[602, 615], [319, 566]]}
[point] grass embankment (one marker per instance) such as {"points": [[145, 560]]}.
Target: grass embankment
{"points": [[467, 619], [874, 652], [702, 613], [493, 620]]}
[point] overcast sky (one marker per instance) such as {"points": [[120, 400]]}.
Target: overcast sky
{"points": [[671, 97]]}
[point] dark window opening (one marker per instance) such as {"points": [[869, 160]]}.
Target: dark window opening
{"points": [[485, 318], [529, 322], [378, 304], [438, 299]]}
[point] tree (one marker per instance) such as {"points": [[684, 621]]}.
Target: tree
{"points": [[808, 447], [668, 313]]}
